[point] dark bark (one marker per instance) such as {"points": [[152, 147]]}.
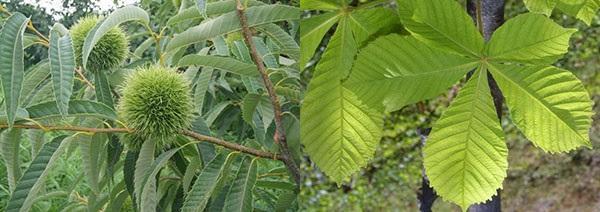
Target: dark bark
{"points": [[426, 195]]}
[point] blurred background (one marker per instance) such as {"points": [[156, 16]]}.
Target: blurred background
{"points": [[536, 181]]}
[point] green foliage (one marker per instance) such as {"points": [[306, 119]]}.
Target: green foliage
{"points": [[344, 136], [465, 155], [584, 10], [465, 158], [188, 94], [110, 50], [157, 103], [11, 62], [62, 63]]}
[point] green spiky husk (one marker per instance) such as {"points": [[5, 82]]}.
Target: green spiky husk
{"points": [[110, 51], [156, 102]]}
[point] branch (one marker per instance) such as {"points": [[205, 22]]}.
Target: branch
{"points": [[196, 136], [83, 78], [230, 145], [279, 136]]}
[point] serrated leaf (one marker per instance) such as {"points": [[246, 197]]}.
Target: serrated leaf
{"points": [[62, 65], [284, 41], [399, 70], [148, 197], [542, 43], [322, 4], [465, 156], [142, 166], [206, 182], [312, 31], [212, 9], [33, 79], [249, 107], [90, 147], [76, 108], [114, 19], [239, 197], [102, 88], [275, 185], [229, 22], [11, 62], [339, 131], [584, 10], [139, 51], [540, 6], [549, 105], [286, 201], [222, 63], [212, 115], [442, 24], [9, 148], [369, 21], [35, 176], [204, 80], [129, 174]]}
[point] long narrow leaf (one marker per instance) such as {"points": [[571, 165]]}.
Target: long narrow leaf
{"points": [[9, 149], [35, 176], [11, 62], [229, 22], [206, 182], [62, 64], [222, 63], [76, 108], [239, 197]]}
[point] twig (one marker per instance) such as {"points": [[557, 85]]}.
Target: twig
{"points": [[29, 26], [83, 78], [279, 136], [32, 28], [196, 136], [233, 146]]}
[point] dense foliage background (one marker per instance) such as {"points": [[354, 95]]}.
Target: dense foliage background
{"points": [[536, 181], [231, 107]]}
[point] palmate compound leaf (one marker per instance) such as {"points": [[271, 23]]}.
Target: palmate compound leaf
{"points": [[542, 43], [465, 156], [399, 70], [549, 105], [363, 22], [443, 24], [339, 132]]}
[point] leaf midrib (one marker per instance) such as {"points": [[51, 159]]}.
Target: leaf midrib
{"points": [[399, 78], [472, 53], [320, 25], [546, 107], [508, 51]]}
